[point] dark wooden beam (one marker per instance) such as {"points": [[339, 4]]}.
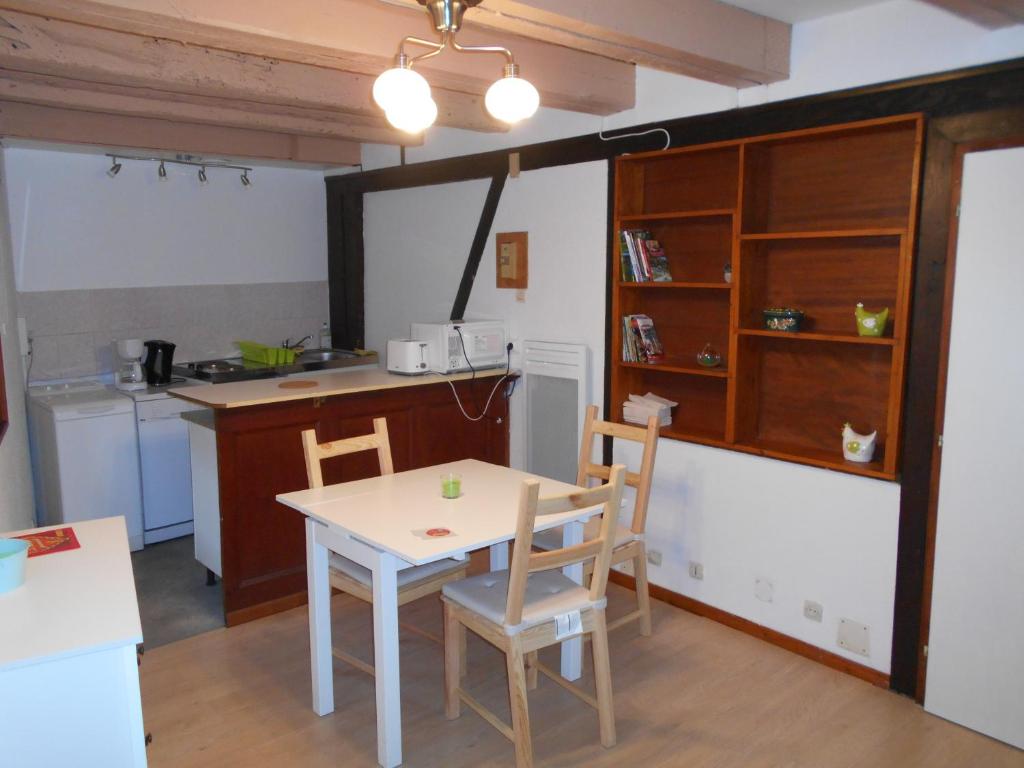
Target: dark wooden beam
{"points": [[476, 251]]}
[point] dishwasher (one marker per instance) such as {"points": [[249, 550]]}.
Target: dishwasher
{"points": [[164, 463]]}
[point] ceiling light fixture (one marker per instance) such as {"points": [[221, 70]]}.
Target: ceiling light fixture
{"points": [[404, 95], [189, 160]]}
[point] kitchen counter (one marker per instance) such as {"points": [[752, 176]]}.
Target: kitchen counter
{"points": [[68, 668], [243, 394], [246, 448]]}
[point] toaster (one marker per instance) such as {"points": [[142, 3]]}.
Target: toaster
{"points": [[408, 357]]}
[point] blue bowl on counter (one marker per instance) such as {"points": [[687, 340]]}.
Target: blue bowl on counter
{"points": [[13, 554]]}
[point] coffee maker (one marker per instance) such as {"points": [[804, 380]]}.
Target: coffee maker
{"points": [[159, 355], [129, 376]]}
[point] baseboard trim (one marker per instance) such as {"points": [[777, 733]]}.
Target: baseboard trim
{"points": [[258, 611], [733, 621]]}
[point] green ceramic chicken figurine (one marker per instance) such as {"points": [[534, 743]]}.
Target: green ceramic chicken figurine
{"points": [[870, 323]]}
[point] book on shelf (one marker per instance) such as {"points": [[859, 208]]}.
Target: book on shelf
{"points": [[640, 341], [642, 259], [639, 408]]}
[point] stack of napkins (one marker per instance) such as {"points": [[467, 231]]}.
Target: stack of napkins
{"points": [[638, 408]]}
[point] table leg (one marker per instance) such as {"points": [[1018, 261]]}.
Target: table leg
{"points": [[572, 650], [385, 660], [499, 556], [319, 621]]}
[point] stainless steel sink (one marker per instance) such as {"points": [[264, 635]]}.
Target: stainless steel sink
{"points": [[324, 355]]}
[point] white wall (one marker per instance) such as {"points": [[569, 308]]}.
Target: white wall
{"points": [[16, 509], [816, 534], [73, 227], [412, 271]]}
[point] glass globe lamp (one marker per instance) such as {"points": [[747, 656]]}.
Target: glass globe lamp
{"points": [[413, 115], [512, 98], [398, 85]]}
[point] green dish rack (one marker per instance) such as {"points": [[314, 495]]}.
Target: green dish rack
{"points": [[261, 353]]}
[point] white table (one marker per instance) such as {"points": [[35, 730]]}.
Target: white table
{"points": [[68, 672], [374, 521]]}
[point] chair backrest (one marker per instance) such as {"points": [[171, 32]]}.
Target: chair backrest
{"points": [[646, 436], [598, 549], [315, 453]]}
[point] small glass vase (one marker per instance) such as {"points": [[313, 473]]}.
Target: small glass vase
{"points": [[709, 357]]}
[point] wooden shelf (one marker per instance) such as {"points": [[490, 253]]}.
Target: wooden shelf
{"points": [[824, 234], [671, 215], [815, 458], [829, 337], [690, 286], [819, 220], [676, 367]]}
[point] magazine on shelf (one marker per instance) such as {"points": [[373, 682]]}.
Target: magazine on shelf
{"points": [[640, 341], [642, 259], [659, 262]]}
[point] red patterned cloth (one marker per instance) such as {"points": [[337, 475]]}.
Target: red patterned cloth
{"points": [[48, 542]]}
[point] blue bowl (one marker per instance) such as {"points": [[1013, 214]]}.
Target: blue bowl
{"points": [[13, 554]]}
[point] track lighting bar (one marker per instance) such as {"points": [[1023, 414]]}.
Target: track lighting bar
{"points": [[202, 165]]}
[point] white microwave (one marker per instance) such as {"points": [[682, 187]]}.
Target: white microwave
{"points": [[461, 346]]}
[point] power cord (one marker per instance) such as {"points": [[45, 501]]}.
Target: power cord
{"points": [[508, 369]]}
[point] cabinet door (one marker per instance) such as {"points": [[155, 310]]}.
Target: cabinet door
{"points": [[166, 472]]}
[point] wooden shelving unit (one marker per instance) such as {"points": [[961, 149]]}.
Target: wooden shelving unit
{"points": [[817, 220]]}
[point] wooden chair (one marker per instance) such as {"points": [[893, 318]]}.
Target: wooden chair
{"points": [[629, 542], [517, 611], [351, 577]]}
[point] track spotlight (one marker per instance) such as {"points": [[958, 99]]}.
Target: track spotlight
{"points": [[162, 171], [202, 165], [202, 174], [115, 168], [246, 181]]}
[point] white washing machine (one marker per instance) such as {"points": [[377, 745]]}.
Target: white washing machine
{"points": [[85, 455]]}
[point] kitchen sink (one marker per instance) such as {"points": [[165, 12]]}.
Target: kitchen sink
{"points": [[323, 355]]}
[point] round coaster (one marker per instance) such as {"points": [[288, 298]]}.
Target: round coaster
{"points": [[297, 384], [438, 532]]}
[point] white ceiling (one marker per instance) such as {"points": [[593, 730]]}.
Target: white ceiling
{"points": [[799, 10]]}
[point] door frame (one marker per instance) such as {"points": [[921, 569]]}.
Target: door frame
{"points": [[961, 150]]}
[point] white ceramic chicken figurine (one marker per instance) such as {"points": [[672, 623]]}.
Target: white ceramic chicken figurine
{"points": [[858, 447]]}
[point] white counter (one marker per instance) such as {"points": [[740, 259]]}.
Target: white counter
{"points": [[68, 671]]}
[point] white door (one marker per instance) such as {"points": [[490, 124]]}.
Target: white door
{"points": [[976, 641]]}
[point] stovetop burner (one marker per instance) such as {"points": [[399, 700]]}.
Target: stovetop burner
{"points": [[221, 371]]}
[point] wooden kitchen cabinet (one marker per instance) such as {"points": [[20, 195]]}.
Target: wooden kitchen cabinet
{"points": [[816, 220], [259, 455]]}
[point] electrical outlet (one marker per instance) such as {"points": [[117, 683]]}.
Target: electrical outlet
{"points": [[854, 637], [654, 557], [764, 590], [813, 610], [696, 571]]}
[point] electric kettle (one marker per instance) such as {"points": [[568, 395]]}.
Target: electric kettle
{"points": [[159, 355]]}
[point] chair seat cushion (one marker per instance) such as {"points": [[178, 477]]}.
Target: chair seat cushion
{"points": [[406, 578], [548, 594], [552, 538]]}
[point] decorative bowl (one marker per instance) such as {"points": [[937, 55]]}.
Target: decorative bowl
{"points": [[782, 319], [13, 553]]}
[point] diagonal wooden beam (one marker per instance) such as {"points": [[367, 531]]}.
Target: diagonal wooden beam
{"points": [[359, 36], [699, 38], [991, 14], [30, 121], [47, 90], [37, 45]]}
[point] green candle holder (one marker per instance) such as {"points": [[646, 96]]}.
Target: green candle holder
{"points": [[451, 485]]}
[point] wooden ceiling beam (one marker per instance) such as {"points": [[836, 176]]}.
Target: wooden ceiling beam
{"points": [[50, 91], [991, 14], [359, 36], [699, 38], [37, 45], [30, 121]]}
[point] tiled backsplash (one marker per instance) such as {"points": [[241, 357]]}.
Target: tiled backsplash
{"points": [[73, 331]]}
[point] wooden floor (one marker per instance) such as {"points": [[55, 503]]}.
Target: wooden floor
{"points": [[695, 694]]}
